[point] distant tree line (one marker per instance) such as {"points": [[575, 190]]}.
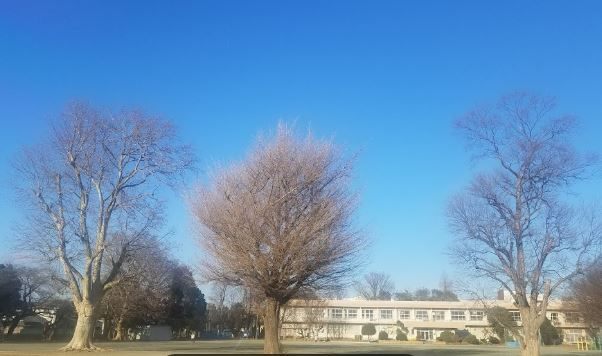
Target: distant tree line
{"points": [[427, 294], [235, 318], [379, 286], [160, 293]]}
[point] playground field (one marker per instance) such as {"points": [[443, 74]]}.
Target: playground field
{"points": [[256, 346]]}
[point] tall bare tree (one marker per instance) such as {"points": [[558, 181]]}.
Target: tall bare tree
{"points": [[511, 224], [280, 222], [375, 286], [92, 195]]}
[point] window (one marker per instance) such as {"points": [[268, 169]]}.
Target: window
{"points": [[386, 314], [367, 314], [515, 315], [553, 317], [458, 315], [571, 317], [351, 313], [476, 315], [422, 315], [336, 313], [404, 314], [438, 314], [571, 336]]}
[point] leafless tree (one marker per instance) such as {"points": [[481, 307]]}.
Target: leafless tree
{"points": [[586, 296], [511, 224], [219, 312], [92, 196], [446, 284], [36, 291], [375, 286], [140, 297], [279, 222]]}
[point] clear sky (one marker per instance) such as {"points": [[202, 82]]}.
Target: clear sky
{"points": [[384, 78]]}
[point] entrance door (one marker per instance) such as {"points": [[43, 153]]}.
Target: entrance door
{"points": [[425, 334]]}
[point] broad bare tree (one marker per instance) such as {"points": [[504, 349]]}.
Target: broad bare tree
{"points": [[512, 225], [279, 222], [375, 286], [92, 191]]}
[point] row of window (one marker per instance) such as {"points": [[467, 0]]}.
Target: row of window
{"points": [[338, 313], [569, 317], [456, 315]]}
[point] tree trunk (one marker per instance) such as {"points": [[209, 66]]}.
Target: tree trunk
{"points": [[84, 329], [530, 345], [106, 327], [48, 331], [271, 342], [13, 325], [119, 334]]}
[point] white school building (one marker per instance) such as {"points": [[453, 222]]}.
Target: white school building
{"points": [[425, 320]]}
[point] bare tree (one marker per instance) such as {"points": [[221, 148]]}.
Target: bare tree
{"points": [[446, 284], [218, 314], [91, 191], [279, 222], [36, 291], [375, 286], [140, 295], [511, 224], [586, 296]]}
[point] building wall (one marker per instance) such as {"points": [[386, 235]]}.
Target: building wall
{"points": [[343, 319]]}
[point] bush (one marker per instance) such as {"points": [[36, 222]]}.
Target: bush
{"points": [[462, 334], [493, 340], [400, 335], [549, 334], [448, 337], [471, 339], [382, 335], [368, 329]]}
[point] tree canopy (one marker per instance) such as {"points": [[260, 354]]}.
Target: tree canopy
{"points": [[279, 222]]}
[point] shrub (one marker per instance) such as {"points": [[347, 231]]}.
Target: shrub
{"points": [[471, 339], [549, 334], [493, 340], [462, 334], [448, 337], [382, 335], [368, 329], [400, 335], [498, 317]]}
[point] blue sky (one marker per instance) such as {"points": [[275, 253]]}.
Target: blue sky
{"points": [[384, 78]]}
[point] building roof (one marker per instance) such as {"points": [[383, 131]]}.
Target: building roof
{"points": [[413, 304]]}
